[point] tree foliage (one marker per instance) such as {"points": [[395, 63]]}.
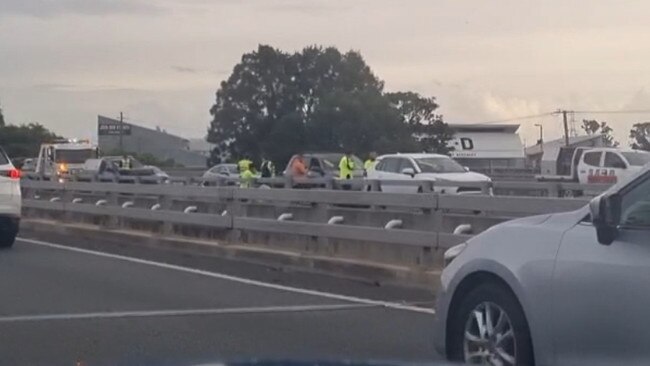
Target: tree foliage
{"points": [[275, 104], [25, 140], [592, 127], [640, 136], [419, 115], [2, 118]]}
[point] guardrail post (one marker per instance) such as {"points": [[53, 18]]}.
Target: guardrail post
{"points": [[235, 208], [113, 222], [166, 203], [554, 190]]}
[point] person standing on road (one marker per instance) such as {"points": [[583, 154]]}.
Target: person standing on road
{"points": [[245, 164], [126, 162], [346, 166], [369, 164], [267, 168], [246, 177], [298, 168]]}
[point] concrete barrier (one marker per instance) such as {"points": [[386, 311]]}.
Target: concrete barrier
{"points": [[409, 231]]}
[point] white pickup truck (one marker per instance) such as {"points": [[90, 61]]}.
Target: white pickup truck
{"points": [[596, 165]]}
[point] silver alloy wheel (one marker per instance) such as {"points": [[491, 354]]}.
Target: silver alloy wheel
{"points": [[489, 337]]}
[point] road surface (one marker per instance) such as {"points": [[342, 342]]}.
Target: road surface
{"points": [[67, 306]]}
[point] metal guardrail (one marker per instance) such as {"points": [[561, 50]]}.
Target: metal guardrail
{"points": [[501, 188], [223, 208]]}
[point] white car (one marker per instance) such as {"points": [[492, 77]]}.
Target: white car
{"points": [[394, 168], [10, 201]]}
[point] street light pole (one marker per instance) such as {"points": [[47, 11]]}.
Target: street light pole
{"points": [[121, 133], [541, 134]]}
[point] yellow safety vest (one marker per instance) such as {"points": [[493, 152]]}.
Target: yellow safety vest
{"points": [[346, 166], [369, 165]]}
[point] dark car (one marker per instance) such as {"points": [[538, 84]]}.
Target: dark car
{"points": [[326, 165]]}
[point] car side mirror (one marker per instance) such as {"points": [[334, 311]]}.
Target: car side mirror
{"points": [[408, 171], [605, 215], [466, 168]]}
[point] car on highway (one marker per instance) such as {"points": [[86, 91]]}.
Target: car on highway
{"points": [[159, 173], [222, 171], [397, 173], [326, 165], [568, 288], [225, 172], [10, 201]]}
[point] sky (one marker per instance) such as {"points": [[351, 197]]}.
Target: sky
{"points": [[63, 62]]}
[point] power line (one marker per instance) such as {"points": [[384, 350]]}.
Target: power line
{"points": [[630, 111], [516, 118]]}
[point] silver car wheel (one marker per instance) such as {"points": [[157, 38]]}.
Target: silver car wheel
{"points": [[489, 336]]}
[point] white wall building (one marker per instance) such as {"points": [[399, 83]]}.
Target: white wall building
{"points": [[487, 147]]}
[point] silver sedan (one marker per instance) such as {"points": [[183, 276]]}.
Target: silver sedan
{"points": [[562, 289]]}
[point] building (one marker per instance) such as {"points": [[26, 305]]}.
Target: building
{"points": [[546, 157], [487, 147], [201, 146], [113, 136]]}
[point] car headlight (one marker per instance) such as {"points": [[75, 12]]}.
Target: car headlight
{"points": [[453, 252]]}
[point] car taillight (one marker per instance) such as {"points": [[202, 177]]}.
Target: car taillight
{"points": [[11, 173]]}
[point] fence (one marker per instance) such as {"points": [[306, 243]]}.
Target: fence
{"points": [[501, 188], [393, 228]]}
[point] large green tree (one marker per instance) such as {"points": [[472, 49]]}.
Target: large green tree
{"points": [[593, 127], [418, 114], [275, 104], [24, 140], [640, 136]]}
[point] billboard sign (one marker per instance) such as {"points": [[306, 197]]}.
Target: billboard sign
{"points": [[107, 129]]}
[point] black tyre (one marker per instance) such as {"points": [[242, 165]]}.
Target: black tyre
{"points": [[7, 239], [490, 328]]}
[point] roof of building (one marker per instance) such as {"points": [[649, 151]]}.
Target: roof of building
{"points": [[200, 144], [107, 120], [538, 149], [477, 127]]}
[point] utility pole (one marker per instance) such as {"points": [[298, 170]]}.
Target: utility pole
{"points": [[541, 135], [566, 128], [122, 132]]}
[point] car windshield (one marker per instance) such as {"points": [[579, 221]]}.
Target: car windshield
{"points": [[232, 169], [439, 165], [76, 156], [332, 161], [637, 158]]}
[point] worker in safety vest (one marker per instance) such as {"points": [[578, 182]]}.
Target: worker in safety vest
{"points": [[245, 164], [267, 168], [369, 164], [126, 162], [246, 176], [346, 166]]}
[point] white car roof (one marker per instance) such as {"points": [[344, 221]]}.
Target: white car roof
{"points": [[414, 155]]}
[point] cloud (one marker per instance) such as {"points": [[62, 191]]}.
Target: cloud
{"points": [[185, 69], [51, 8]]}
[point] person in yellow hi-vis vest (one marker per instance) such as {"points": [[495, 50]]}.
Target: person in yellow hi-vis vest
{"points": [[369, 165], [245, 164], [246, 178], [346, 166]]}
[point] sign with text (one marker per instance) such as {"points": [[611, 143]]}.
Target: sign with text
{"points": [[106, 129]]}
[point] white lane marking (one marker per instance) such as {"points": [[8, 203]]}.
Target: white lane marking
{"points": [[178, 313], [329, 295]]}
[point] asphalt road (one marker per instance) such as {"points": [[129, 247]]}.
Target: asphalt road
{"points": [[68, 306]]}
